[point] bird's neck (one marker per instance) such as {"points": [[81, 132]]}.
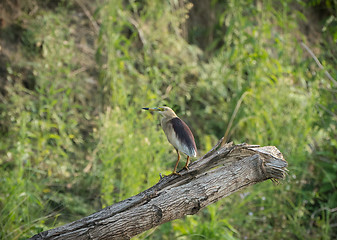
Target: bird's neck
{"points": [[165, 119]]}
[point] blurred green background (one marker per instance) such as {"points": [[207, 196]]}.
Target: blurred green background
{"points": [[74, 76]]}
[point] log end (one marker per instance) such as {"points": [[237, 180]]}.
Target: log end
{"points": [[274, 164]]}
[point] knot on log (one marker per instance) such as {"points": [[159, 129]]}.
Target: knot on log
{"points": [[219, 173]]}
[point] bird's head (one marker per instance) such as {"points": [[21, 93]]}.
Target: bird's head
{"points": [[164, 111]]}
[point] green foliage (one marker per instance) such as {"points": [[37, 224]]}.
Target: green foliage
{"points": [[74, 138]]}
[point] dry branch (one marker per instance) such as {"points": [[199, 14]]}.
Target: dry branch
{"points": [[318, 63], [219, 173]]}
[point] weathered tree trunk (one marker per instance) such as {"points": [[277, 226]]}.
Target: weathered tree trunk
{"points": [[219, 173]]}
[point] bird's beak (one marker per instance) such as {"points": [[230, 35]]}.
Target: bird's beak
{"points": [[152, 109]]}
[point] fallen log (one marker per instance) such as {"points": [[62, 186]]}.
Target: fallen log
{"points": [[219, 173]]}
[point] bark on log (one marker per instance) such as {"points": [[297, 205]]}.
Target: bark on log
{"points": [[219, 173]]}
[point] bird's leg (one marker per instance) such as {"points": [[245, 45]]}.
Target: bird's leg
{"points": [[175, 168], [187, 162]]}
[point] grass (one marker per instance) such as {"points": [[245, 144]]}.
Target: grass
{"points": [[74, 138]]}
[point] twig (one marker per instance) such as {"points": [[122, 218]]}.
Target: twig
{"points": [[210, 152], [313, 215], [77, 71], [237, 107], [88, 14], [318, 63], [140, 32], [327, 110]]}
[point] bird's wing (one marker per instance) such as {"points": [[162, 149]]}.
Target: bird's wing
{"points": [[185, 138]]}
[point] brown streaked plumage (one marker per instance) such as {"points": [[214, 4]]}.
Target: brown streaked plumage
{"points": [[177, 133]]}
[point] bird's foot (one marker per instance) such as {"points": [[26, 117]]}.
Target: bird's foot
{"points": [[174, 173], [186, 168]]}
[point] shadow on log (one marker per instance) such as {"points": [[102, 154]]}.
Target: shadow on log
{"points": [[219, 173]]}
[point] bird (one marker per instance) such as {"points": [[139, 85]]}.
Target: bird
{"points": [[177, 133]]}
